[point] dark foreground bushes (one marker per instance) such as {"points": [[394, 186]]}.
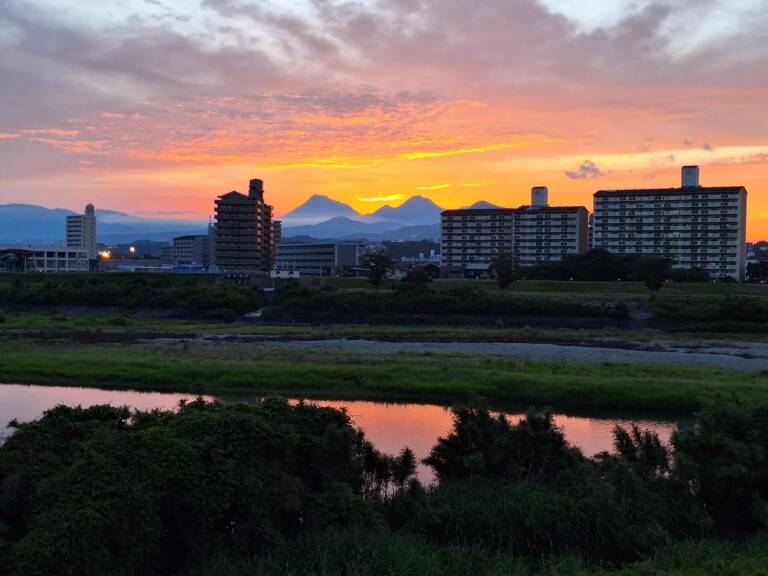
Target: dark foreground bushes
{"points": [[279, 489], [408, 300], [105, 491], [192, 292]]}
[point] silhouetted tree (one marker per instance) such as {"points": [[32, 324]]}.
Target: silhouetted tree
{"points": [[418, 276], [653, 272], [378, 264], [504, 265]]}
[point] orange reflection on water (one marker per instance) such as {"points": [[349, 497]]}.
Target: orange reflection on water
{"points": [[391, 427]]}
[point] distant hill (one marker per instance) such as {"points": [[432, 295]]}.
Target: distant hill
{"points": [[416, 218], [316, 209], [340, 227], [482, 205], [27, 222], [19, 222], [415, 211], [423, 232]]}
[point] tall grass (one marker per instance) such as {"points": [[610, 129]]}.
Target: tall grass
{"points": [[229, 368], [356, 552]]}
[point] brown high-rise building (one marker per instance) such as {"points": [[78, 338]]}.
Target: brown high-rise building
{"points": [[277, 236], [244, 230]]}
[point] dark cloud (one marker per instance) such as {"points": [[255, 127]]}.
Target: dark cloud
{"points": [[265, 67], [707, 148], [588, 169]]}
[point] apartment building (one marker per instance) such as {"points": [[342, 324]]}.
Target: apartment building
{"points": [[191, 250], [244, 230], [318, 259], [81, 232], [695, 226], [535, 234]]}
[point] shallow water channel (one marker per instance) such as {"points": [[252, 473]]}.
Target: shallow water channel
{"points": [[390, 426]]}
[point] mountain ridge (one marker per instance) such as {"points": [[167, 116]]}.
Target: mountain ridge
{"points": [[23, 223]]}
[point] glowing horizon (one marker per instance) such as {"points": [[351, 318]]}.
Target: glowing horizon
{"points": [[156, 108]]}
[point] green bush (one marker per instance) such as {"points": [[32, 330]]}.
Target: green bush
{"points": [[275, 488], [481, 446], [106, 491], [196, 292], [724, 462], [424, 299]]}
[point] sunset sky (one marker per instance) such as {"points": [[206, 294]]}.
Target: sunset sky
{"points": [[154, 107]]}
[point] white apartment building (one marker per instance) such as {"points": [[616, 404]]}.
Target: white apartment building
{"points": [[535, 234], [81, 232], [695, 226]]}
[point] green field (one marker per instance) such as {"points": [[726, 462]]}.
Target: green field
{"points": [[55, 325], [582, 289], [229, 368]]}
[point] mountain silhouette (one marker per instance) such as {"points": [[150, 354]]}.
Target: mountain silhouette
{"points": [[31, 223], [482, 205], [318, 208], [415, 211]]}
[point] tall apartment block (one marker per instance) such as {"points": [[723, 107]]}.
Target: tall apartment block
{"points": [[695, 226], [81, 231], [244, 230], [535, 234]]}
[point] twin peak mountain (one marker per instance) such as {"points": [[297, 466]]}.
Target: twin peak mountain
{"points": [[323, 217]]}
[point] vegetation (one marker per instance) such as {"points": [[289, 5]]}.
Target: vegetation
{"points": [[187, 291], [410, 303], [653, 272], [379, 264], [504, 266], [127, 326], [600, 265], [691, 307], [294, 489], [236, 368]]}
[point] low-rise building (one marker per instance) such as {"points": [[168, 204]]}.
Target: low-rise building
{"points": [[318, 259], [534, 234], [191, 250], [31, 258], [693, 225]]}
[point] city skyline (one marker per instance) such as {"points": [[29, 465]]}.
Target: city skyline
{"points": [[157, 108]]}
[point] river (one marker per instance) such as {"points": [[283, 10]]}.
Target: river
{"points": [[390, 426]]}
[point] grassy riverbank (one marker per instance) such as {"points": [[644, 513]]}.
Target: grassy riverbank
{"points": [[110, 327], [361, 553], [229, 368]]}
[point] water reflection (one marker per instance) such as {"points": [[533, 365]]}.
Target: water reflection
{"points": [[391, 427]]}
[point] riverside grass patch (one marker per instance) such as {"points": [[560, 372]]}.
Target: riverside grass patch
{"points": [[223, 368]]}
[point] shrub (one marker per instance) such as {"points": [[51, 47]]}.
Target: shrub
{"points": [[724, 462], [483, 446], [107, 491]]}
